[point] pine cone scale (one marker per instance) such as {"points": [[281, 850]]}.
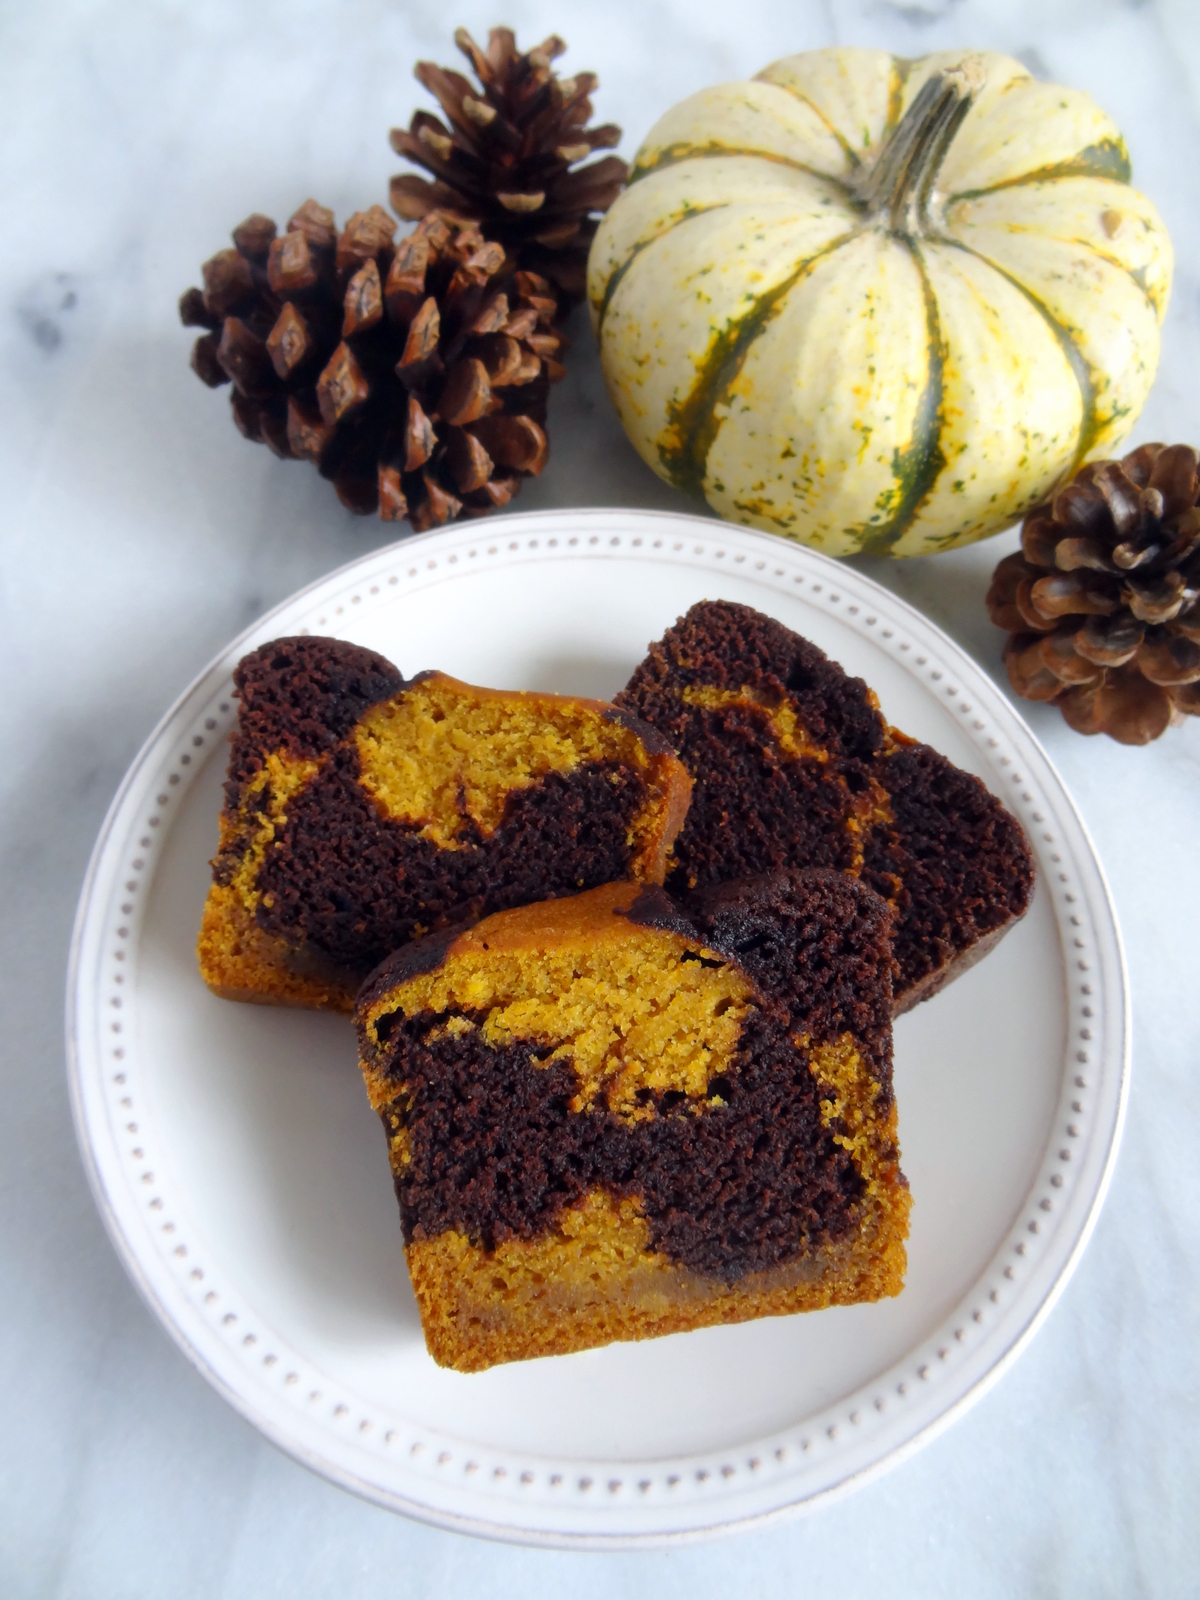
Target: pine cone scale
{"points": [[1071, 554], [470, 464], [1070, 594], [253, 237], [393, 506], [204, 362], [288, 343], [479, 112], [228, 283], [1155, 602], [449, 89], [522, 204], [466, 394], [292, 266], [1169, 661], [364, 301], [438, 153], [1173, 473], [440, 143], [193, 312], [412, 198], [1126, 707], [1128, 557], [419, 437], [307, 431], [245, 360], [422, 340], [1080, 508], [1121, 496], [479, 62], [1109, 641]]}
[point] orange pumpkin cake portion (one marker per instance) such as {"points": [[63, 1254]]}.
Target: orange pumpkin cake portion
{"points": [[607, 1120], [363, 811]]}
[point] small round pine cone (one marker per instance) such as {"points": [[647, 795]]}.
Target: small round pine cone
{"points": [[1101, 602], [414, 375], [508, 156]]}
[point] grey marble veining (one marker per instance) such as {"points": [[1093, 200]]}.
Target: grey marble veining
{"points": [[138, 533]]}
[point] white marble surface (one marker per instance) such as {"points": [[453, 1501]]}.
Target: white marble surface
{"points": [[138, 532]]}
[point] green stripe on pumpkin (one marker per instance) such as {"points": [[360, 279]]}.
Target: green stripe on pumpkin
{"points": [[1089, 426], [1108, 159], [1136, 275], [916, 469], [692, 423], [618, 273], [671, 155], [834, 133]]}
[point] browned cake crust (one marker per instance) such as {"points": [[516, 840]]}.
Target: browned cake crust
{"points": [[609, 1121], [363, 811], [793, 765]]}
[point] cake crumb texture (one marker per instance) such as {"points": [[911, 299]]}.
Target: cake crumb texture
{"points": [[607, 1120], [793, 765], [363, 812], [628, 1026]]}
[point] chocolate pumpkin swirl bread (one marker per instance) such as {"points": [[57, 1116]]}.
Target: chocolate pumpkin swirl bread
{"points": [[793, 765], [363, 811], [608, 1120]]}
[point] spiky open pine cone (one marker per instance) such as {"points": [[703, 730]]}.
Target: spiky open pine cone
{"points": [[1100, 604], [508, 153], [414, 375]]}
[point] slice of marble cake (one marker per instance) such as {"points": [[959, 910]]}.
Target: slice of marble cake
{"points": [[608, 1120], [363, 811], [793, 765]]}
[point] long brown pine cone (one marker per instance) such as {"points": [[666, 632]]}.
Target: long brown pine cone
{"points": [[507, 156], [1100, 603], [414, 375]]}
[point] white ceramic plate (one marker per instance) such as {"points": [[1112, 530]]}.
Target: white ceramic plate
{"points": [[245, 1182]]}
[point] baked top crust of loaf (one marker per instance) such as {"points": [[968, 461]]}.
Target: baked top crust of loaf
{"points": [[363, 811], [609, 1119], [794, 765]]}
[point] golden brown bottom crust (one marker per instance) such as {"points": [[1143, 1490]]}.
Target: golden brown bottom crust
{"points": [[594, 1279], [238, 961]]}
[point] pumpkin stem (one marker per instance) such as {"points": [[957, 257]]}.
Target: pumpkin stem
{"points": [[901, 181]]}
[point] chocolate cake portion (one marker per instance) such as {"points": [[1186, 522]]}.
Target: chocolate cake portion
{"points": [[712, 1094], [726, 1193], [364, 811], [301, 695], [820, 944], [961, 862], [793, 765], [355, 885], [722, 646]]}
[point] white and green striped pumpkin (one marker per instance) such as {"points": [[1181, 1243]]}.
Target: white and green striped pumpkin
{"points": [[879, 305]]}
